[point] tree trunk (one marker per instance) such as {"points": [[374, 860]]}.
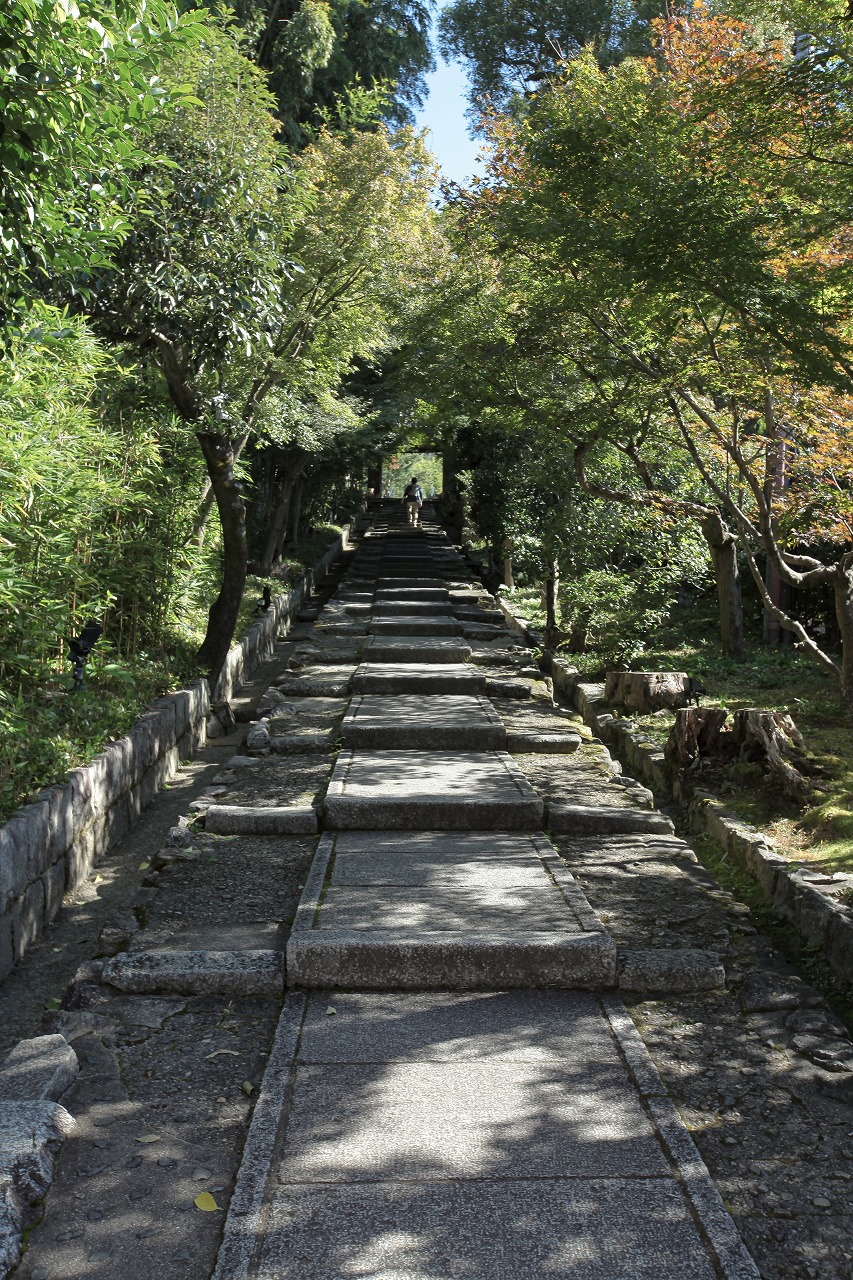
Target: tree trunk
{"points": [[722, 544], [278, 525], [218, 451], [552, 587], [296, 507], [208, 497], [843, 588]]}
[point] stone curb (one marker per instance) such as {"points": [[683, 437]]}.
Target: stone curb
{"points": [[810, 908], [232, 819], [244, 1222], [670, 970], [49, 848], [232, 973], [735, 1261], [606, 820]]}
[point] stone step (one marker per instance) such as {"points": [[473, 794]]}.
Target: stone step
{"points": [[416, 677], [445, 722], [397, 594], [392, 583], [417, 626], [428, 791], [464, 910], [426, 649], [412, 609]]}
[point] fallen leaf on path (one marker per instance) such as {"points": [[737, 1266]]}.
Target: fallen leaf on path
{"points": [[235, 1053], [149, 1137], [248, 1088], [205, 1201]]}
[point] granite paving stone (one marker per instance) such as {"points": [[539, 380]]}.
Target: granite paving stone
{"points": [[420, 790], [482, 1230]]}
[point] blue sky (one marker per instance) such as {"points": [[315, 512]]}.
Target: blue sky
{"points": [[444, 116]]}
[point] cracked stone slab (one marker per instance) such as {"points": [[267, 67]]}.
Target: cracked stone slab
{"points": [[421, 790], [235, 973], [271, 820], [30, 1134], [454, 721], [578, 819], [41, 1068]]}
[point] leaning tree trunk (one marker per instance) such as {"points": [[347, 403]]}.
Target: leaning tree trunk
{"points": [[722, 544], [278, 525], [218, 451], [843, 588]]}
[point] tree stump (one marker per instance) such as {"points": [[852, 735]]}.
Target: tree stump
{"points": [[695, 733], [773, 736], [645, 691]]}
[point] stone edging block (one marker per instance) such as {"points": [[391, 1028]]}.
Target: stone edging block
{"points": [[233, 973]]}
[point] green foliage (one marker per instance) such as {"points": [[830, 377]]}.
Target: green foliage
{"points": [[71, 82]]}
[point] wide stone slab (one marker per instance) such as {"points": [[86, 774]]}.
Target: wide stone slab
{"points": [[436, 857], [443, 1026], [487, 1119], [484, 1230], [419, 790], [438, 722], [431, 649], [416, 677]]}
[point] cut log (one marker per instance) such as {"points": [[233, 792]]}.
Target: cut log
{"points": [[645, 691], [773, 736], [695, 733]]}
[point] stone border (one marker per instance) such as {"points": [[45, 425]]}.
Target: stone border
{"points": [[809, 907], [49, 848]]}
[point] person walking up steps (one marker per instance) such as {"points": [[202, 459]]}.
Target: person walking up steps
{"points": [[413, 498]]}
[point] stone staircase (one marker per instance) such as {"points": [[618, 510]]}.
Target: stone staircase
{"points": [[452, 1093]]}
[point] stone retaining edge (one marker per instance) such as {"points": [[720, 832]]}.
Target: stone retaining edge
{"points": [[49, 848], [814, 914]]}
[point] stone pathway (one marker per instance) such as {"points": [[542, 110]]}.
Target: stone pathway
{"points": [[455, 1088]]}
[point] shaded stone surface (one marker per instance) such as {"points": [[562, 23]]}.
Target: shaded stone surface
{"points": [[494, 1231], [420, 790]]}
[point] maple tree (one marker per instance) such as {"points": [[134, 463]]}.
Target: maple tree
{"points": [[683, 225]]}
